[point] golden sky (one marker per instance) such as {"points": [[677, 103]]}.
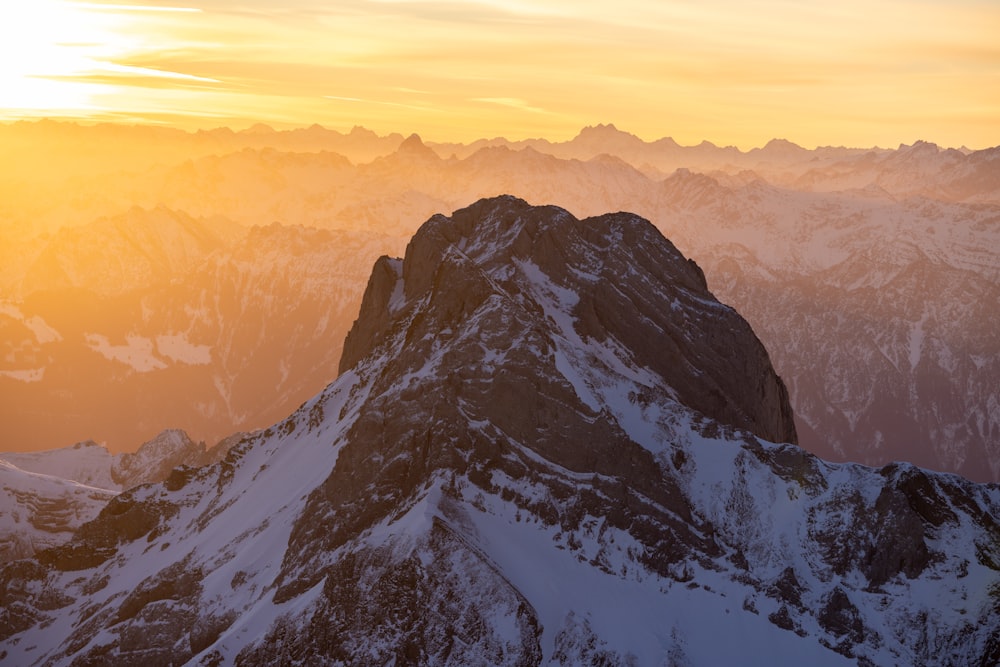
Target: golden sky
{"points": [[741, 72]]}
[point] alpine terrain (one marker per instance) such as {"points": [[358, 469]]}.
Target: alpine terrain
{"points": [[548, 444], [870, 274], [46, 496]]}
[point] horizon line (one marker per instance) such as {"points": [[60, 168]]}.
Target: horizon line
{"points": [[246, 126]]}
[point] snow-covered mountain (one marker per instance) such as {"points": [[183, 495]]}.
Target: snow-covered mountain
{"points": [[46, 495], [84, 462], [548, 444], [155, 459], [39, 511]]}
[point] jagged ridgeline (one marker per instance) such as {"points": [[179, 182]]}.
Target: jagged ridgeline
{"points": [[548, 444]]}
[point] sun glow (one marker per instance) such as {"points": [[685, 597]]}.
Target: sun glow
{"points": [[43, 44], [722, 70], [64, 58]]}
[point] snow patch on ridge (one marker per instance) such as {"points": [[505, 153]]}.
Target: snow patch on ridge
{"points": [[176, 347], [40, 328], [144, 354], [917, 340], [27, 375], [137, 352]]}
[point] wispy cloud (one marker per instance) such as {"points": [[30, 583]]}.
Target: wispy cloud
{"points": [[129, 70]]}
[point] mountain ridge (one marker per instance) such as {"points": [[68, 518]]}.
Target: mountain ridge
{"points": [[48, 495]]}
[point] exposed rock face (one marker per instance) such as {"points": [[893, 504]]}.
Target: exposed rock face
{"points": [[154, 459], [628, 284], [520, 466]]}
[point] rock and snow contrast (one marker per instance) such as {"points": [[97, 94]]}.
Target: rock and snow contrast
{"points": [[548, 444], [39, 511], [45, 496], [877, 312]]}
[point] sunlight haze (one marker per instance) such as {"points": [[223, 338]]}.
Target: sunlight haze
{"points": [[734, 73]]}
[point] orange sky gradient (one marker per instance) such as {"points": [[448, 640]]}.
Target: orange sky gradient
{"points": [[818, 73]]}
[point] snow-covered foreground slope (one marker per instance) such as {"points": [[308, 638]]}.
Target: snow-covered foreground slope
{"points": [[47, 495], [548, 445], [40, 511]]}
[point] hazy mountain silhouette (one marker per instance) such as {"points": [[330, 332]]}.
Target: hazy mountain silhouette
{"points": [[868, 273]]}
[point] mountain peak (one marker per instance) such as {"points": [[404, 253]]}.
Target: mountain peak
{"points": [[781, 149], [605, 132], [413, 147], [413, 143], [504, 248], [781, 143], [920, 147], [156, 457], [258, 129]]}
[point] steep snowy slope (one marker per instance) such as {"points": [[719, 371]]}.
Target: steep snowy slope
{"points": [[51, 493], [92, 464], [40, 511], [546, 446], [85, 462]]}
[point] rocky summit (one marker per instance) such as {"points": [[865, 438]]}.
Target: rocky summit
{"points": [[548, 444]]}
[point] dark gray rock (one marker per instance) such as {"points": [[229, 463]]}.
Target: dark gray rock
{"points": [[633, 287]]}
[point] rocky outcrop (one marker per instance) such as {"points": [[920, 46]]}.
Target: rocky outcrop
{"points": [[629, 284], [155, 458]]}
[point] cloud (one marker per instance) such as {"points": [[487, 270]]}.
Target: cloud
{"points": [[724, 70], [148, 72]]}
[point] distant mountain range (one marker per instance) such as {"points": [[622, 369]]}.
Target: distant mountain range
{"points": [[870, 274], [548, 444]]}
